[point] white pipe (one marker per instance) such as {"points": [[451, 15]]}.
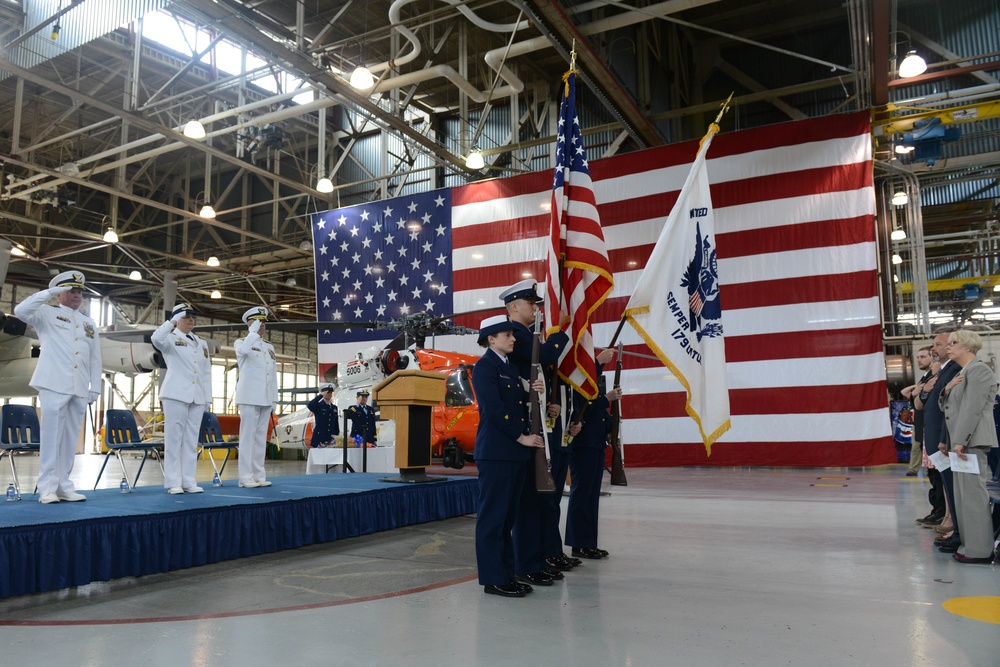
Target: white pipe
{"points": [[950, 96], [138, 143], [275, 116], [447, 72]]}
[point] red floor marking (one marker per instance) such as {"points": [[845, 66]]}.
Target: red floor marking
{"points": [[233, 614]]}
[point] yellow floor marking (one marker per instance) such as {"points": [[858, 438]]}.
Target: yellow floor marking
{"points": [[985, 608], [837, 478], [837, 485]]}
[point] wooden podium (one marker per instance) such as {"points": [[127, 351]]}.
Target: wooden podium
{"points": [[408, 397]]}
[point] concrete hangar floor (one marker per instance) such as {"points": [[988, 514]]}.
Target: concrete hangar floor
{"points": [[733, 566]]}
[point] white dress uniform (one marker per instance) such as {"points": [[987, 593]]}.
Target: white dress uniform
{"points": [[185, 393], [67, 377], [256, 397]]}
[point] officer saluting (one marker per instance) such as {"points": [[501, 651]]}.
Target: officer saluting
{"points": [[67, 377], [186, 392], [256, 396], [362, 418], [326, 420]]}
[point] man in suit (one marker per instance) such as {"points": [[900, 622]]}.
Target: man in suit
{"points": [[67, 378], [326, 420], [924, 360], [502, 448], [256, 396], [935, 429], [185, 394], [362, 418]]}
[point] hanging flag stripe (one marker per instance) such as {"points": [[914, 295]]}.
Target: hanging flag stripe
{"points": [[763, 401]]}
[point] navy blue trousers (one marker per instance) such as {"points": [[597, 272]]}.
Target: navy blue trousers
{"points": [[500, 485], [586, 467]]}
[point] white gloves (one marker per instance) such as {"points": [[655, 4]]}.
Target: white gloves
{"points": [[177, 317], [58, 290], [255, 326], [92, 398]]}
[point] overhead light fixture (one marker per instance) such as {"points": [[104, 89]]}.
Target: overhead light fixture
{"points": [[895, 279], [361, 78], [896, 259], [306, 246], [324, 185], [213, 261], [899, 199], [194, 130], [898, 235], [903, 149], [135, 275], [996, 288], [216, 294], [18, 251], [71, 169], [111, 236], [283, 306], [207, 211], [290, 282], [987, 303], [912, 65], [475, 159]]}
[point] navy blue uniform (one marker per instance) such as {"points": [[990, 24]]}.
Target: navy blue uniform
{"points": [[362, 421], [529, 551], [327, 421], [549, 503], [500, 459], [586, 466]]}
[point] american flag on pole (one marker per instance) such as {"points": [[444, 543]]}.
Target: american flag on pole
{"points": [[675, 305], [794, 213], [578, 274]]}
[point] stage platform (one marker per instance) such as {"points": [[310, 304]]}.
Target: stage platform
{"points": [[114, 535]]}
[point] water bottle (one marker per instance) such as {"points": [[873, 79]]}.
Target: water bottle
{"points": [[11, 493], [358, 440], [123, 487], [216, 481]]}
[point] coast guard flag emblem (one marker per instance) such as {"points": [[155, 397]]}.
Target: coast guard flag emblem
{"points": [[676, 309]]}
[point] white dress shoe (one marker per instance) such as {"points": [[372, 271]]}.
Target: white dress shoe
{"points": [[71, 497], [193, 489], [249, 485], [47, 498], [264, 483], [175, 490]]}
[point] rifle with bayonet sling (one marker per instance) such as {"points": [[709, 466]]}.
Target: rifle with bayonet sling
{"points": [[617, 461], [543, 469]]}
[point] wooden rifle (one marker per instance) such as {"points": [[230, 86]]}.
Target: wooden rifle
{"points": [[543, 469], [617, 461]]}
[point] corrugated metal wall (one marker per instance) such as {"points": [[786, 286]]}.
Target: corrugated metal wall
{"points": [[86, 22]]}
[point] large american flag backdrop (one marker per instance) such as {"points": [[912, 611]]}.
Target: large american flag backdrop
{"points": [[794, 207]]}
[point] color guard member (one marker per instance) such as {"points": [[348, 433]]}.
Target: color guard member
{"points": [[326, 419], [186, 394], [502, 447], [256, 396], [67, 378], [522, 301]]}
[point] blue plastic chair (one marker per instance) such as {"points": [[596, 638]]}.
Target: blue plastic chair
{"points": [[121, 434], [210, 437], [19, 434]]}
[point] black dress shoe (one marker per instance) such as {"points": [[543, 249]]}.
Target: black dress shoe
{"points": [[537, 578], [522, 587], [572, 561], [555, 575], [507, 591], [948, 548], [587, 552], [604, 554], [557, 563]]}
